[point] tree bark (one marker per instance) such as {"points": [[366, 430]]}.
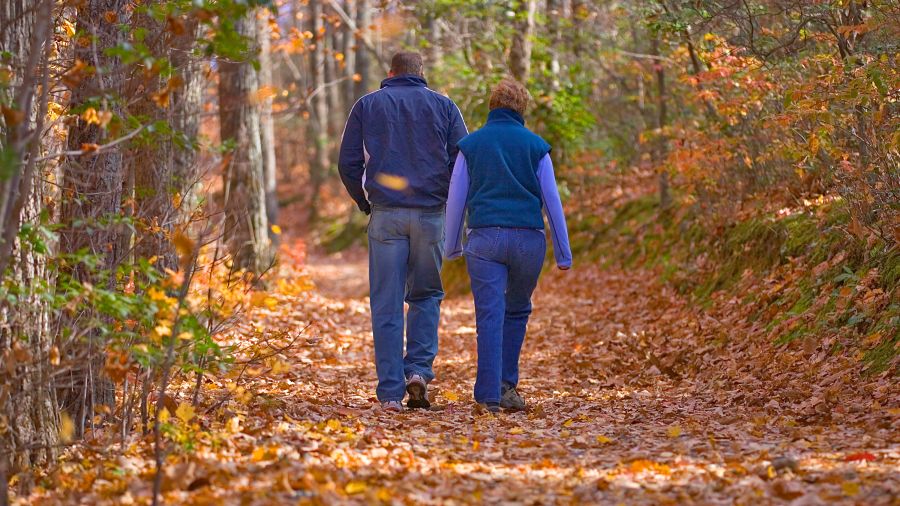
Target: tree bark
{"points": [[164, 173], [661, 121], [363, 58], [28, 409], [318, 121], [520, 51], [267, 124], [93, 189], [246, 226]]}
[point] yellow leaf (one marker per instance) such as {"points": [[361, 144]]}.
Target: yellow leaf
{"points": [[451, 396], [276, 229], [384, 495], [233, 425], [186, 336], [280, 366], [163, 330], [90, 116], [184, 412], [69, 27], [259, 454], [184, 245], [334, 424], [674, 431], [66, 428], [569, 422], [603, 439], [355, 487], [390, 181], [516, 430], [850, 488], [164, 415], [54, 356]]}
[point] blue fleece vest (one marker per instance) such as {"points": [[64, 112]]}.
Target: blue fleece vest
{"points": [[503, 159]]}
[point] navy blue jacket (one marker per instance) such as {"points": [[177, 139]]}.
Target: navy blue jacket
{"points": [[503, 158], [399, 145]]}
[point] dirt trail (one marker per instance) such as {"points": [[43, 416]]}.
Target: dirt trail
{"points": [[627, 406], [592, 434]]}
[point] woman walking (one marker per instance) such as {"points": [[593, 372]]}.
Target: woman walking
{"points": [[503, 177]]}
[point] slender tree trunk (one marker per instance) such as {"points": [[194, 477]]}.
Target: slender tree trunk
{"points": [[267, 124], [350, 48], [28, 407], [318, 121], [661, 121], [246, 225], [520, 51], [363, 58], [554, 14]]}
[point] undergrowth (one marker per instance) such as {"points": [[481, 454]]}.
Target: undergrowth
{"points": [[802, 271]]}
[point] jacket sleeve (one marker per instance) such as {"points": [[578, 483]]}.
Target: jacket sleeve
{"points": [[352, 160], [559, 234], [457, 131], [456, 208]]}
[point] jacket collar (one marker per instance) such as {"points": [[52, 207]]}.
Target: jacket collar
{"points": [[504, 114], [404, 80]]}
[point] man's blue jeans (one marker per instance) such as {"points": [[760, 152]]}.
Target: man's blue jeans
{"points": [[405, 254], [504, 265]]}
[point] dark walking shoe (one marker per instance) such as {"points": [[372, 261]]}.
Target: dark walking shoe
{"points": [[491, 407], [392, 406], [511, 400], [418, 393]]}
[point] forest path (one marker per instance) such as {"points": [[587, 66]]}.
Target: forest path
{"points": [[604, 424], [634, 398]]}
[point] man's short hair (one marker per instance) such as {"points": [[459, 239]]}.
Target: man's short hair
{"points": [[408, 62], [510, 94]]}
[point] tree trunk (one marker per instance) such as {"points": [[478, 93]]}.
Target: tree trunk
{"points": [[520, 51], [349, 49], [661, 121], [28, 408], [267, 124], [554, 14], [363, 58], [318, 121], [246, 225], [164, 173], [93, 187]]}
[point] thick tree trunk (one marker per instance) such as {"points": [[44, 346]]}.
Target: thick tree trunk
{"points": [[520, 51], [28, 408], [246, 225], [165, 173], [93, 187]]}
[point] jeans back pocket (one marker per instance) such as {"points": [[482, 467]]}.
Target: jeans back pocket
{"points": [[483, 242]]}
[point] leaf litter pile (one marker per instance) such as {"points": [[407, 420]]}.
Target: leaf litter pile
{"points": [[634, 397]]}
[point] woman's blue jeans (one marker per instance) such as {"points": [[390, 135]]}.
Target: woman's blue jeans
{"points": [[405, 253], [504, 265]]}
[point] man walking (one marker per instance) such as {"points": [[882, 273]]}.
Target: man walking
{"points": [[397, 154]]}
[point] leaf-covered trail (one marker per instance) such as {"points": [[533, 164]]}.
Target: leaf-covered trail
{"points": [[605, 424], [626, 406]]}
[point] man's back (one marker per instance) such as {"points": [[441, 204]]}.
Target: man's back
{"points": [[400, 141]]}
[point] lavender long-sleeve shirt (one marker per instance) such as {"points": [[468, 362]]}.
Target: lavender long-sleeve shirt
{"points": [[457, 201]]}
